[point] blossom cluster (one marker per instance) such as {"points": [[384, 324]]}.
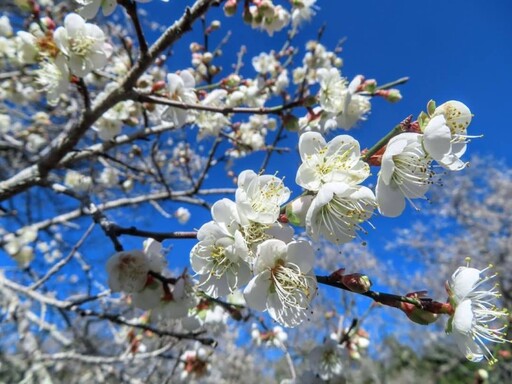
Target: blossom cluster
{"points": [[246, 244], [406, 166], [475, 315]]}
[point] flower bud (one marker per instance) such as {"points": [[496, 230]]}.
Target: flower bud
{"points": [[394, 96], [369, 85], [297, 209], [230, 8], [418, 315], [157, 86], [215, 25], [357, 282], [207, 57]]}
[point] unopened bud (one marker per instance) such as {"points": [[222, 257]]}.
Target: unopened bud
{"points": [[338, 62], [232, 80], [431, 107], [195, 47], [214, 70], [357, 282], [215, 25], [127, 185], [393, 96], [48, 23], [418, 315], [230, 8], [207, 57], [297, 209], [157, 86], [136, 150], [369, 85]]}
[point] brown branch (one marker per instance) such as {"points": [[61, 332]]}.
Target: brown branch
{"points": [[158, 236], [277, 110]]}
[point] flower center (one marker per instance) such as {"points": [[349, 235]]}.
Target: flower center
{"points": [[81, 46], [291, 285]]}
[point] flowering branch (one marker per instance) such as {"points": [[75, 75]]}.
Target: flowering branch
{"points": [[277, 110], [131, 9], [389, 299], [159, 236]]}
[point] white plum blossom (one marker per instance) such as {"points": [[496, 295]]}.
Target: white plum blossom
{"points": [[77, 181], [297, 209], [270, 18], [128, 271], [108, 129], [178, 300], [281, 82], [154, 253], [183, 215], [354, 105], [219, 257], [53, 78], [16, 245], [338, 210], [211, 123], [332, 89], [194, 364], [326, 359], [405, 173], [266, 63], [445, 136], [339, 160], [303, 10], [276, 337], [250, 136], [89, 8], [259, 197], [83, 44], [180, 88], [109, 177], [475, 312], [283, 284], [5, 27]]}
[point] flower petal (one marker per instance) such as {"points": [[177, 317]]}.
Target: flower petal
{"points": [[256, 292], [391, 201]]}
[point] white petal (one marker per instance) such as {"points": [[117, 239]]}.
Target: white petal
{"points": [[391, 201], [74, 24], [310, 143], [268, 253], [437, 138], [308, 178], [463, 280], [463, 317], [301, 253], [256, 292], [188, 79]]}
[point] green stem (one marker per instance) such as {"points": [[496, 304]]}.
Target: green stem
{"points": [[394, 83], [382, 142]]}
